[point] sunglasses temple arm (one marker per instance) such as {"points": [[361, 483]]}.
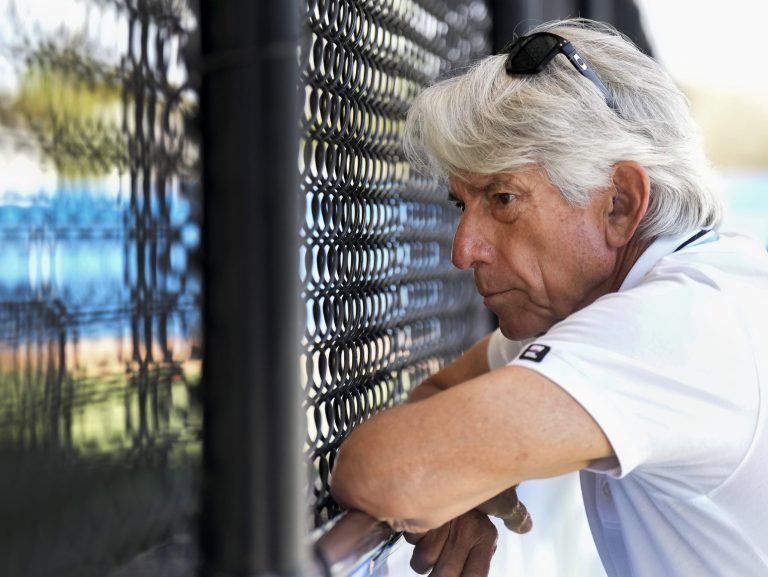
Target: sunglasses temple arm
{"points": [[586, 70]]}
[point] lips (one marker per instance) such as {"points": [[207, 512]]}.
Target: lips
{"points": [[489, 294]]}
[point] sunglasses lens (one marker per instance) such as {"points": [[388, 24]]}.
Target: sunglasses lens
{"points": [[533, 53], [530, 54]]}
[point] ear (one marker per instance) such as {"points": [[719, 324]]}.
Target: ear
{"points": [[630, 194]]}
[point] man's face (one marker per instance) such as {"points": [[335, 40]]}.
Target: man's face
{"points": [[536, 258]]}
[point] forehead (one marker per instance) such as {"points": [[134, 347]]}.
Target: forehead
{"points": [[474, 183]]}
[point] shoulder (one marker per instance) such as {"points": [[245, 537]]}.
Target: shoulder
{"points": [[659, 363], [502, 351], [737, 260], [702, 290]]}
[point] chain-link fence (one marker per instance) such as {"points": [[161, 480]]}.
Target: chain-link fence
{"points": [[384, 306], [100, 291]]}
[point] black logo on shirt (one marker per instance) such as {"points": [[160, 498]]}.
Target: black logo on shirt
{"points": [[535, 353]]}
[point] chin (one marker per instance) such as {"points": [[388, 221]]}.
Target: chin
{"points": [[519, 331]]}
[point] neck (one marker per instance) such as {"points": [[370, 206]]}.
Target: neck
{"points": [[626, 258]]}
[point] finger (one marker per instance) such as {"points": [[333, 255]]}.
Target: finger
{"points": [[452, 558], [413, 538], [519, 519], [476, 538], [502, 503], [427, 550], [478, 563]]}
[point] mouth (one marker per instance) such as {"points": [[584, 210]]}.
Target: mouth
{"points": [[490, 294]]}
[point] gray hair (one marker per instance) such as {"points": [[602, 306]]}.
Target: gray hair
{"points": [[485, 121]]}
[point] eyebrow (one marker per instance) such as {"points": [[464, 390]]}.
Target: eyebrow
{"points": [[492, 185], [488, 187]]}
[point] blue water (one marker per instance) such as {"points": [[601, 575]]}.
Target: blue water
{"points": [[80, 248], [746, 195]]}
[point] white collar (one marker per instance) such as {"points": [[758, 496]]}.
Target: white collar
{"points": [[659, 248]]}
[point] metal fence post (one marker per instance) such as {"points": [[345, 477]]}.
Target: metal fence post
{"points": [[512, 17], [253, 509]]}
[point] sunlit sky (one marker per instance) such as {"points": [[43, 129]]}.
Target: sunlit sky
{"points": [[710, 42], [698, 40], [40, 18]]}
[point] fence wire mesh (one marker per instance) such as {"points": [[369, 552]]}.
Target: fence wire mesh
{"points": [[384, 307]]}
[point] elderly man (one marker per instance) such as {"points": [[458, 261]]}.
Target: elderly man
{"points": [[633, 340]]}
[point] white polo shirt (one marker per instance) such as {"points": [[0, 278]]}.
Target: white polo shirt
{"points": [[674, 369]]}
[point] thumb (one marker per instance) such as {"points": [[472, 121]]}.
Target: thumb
{"points": [[519, 519]]}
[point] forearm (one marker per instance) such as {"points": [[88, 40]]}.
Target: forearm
{"points": [[452, 452], [471, 364], [506, 505]]}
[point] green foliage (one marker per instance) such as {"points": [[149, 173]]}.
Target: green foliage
{"points": [[73, 103]]}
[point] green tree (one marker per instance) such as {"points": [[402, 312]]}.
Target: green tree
{"points": [[72, 104]]}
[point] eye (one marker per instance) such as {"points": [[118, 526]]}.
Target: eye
{"points": [[504, 198]]}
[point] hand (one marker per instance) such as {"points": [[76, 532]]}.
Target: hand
{"points": [[460, 548], [507, 507]]}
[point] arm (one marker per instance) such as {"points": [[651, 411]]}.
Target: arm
{"points": [[444, 455], [471, 364]]}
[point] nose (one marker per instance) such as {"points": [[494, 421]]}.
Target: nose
{"points": [[470, 245]]}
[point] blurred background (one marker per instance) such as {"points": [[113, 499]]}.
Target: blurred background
{"points": [[728, 94], [215, 262], [100, 310]]}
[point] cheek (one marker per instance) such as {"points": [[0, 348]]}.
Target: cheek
{"points": [[522, 260], [572, 256], [590, 246], [576, 269]]}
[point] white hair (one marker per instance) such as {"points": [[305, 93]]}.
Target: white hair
{"points": [[486, 121]]}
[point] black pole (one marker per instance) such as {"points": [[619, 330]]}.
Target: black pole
{"points": [[253, 509], [513, 17], [597, 9]]}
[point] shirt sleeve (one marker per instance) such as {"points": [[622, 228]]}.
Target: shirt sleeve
{"points": [[666, 372], [502, 351]]}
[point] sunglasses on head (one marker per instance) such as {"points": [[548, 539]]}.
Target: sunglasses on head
{"points": [[531, 54]]}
